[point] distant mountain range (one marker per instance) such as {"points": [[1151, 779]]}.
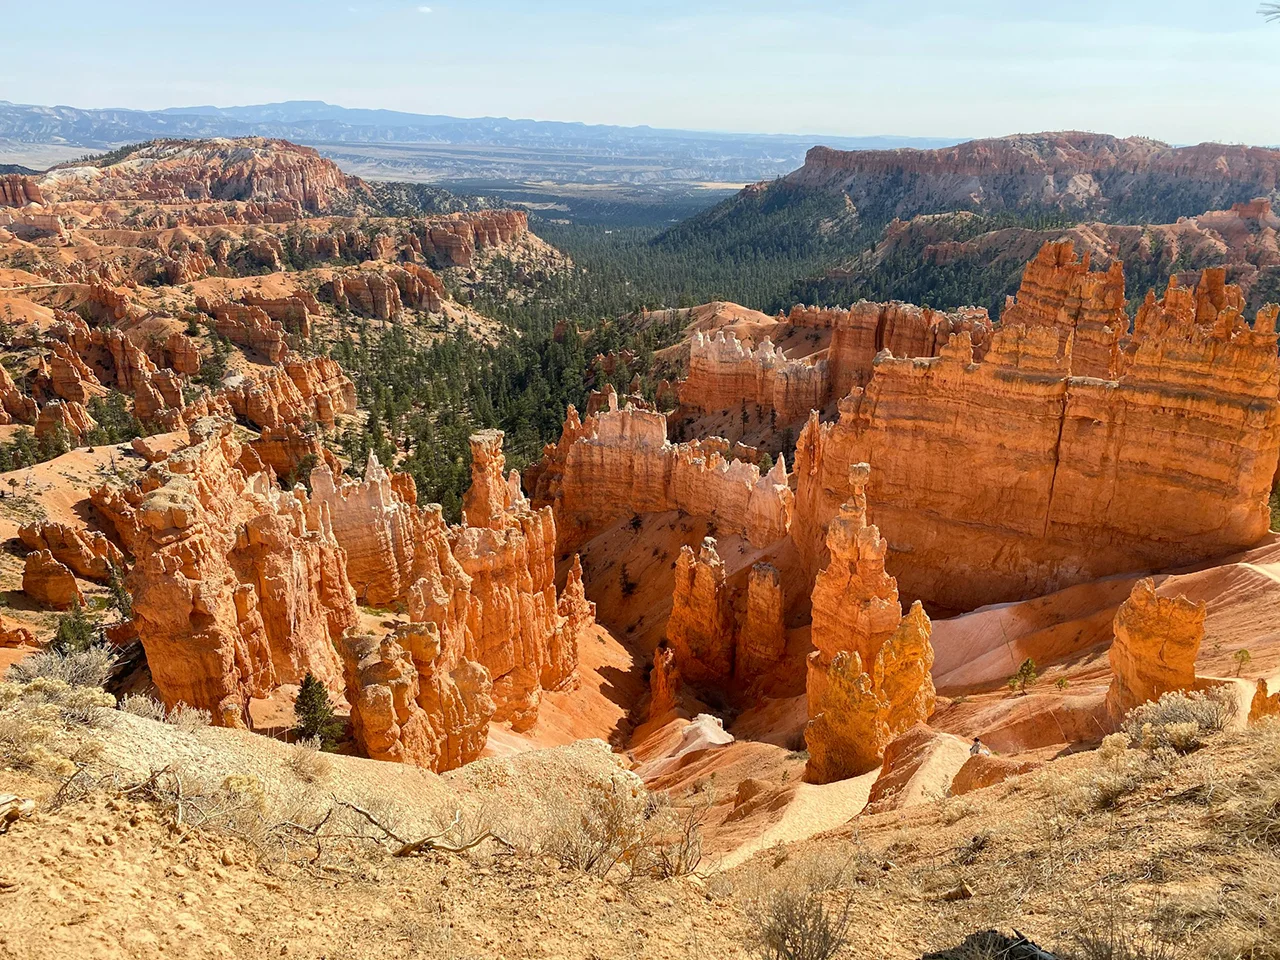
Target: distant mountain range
{"points": [[426, 146]]}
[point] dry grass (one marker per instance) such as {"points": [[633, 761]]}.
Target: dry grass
{"points": [[308, 763]]}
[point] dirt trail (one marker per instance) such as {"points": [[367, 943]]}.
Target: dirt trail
{"points": [[815, 809]]}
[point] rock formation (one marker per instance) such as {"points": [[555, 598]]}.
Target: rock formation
{"points": [[15, 406], [64, 415], [87, 553], [250, 327], [626, 453], [485, 590], [405, 709], [1060, 291], [762, 635], [182, 171], [236, 590], [869, 674], [700, 629], [380, 527], [859, 334], [725, 374], [50, 583], [664, 682], [919, 765], [986, 771], [1156, 643], [1049, 170], [1049, 479], [17, 190]]}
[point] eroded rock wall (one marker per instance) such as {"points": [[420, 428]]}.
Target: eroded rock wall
{"points": [[725, 373], [235, 591], [1011, 478], [619, 463], [904, 329]]}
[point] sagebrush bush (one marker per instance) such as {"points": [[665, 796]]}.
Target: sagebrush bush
{"points": [[80, 668], [1181, 720], [608, 828], [142, 706], [798, 921], [39, 722]]}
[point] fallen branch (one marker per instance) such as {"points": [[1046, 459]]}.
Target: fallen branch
{"points": [[429, 844]]}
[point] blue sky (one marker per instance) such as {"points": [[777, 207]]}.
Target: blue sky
{"points": [[926, 68]]}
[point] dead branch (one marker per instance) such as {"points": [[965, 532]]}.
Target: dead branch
{"points": [[429, 844]]}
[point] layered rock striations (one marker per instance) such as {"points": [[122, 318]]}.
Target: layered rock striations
{"points": [[1157, 640], [1011, 478], [235, 589], [619, 463], [1060, 291], [859, 334], [182, 171], [725, 373], [17, 190], [869, 676]]}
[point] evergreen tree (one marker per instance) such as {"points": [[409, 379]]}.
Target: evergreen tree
{"points": [[313, 714]]}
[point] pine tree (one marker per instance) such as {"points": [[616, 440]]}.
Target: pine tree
{"points": [[313, 714]]}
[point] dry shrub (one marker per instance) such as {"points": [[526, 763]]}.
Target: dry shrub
{"points": [[82, 668], [608, 828], [142, 706], [802, 911], [189, 719], [307, 762], [1181, 721], [182, 716], [42, 724], [234, 806], [674, 847]]}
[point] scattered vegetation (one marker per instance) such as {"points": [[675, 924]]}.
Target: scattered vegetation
{"points": [[1025, 676]]}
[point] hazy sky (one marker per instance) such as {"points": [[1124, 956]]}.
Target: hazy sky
{"points": [[1180, 70]]}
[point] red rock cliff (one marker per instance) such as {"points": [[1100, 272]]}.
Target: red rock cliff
{"points": [[1010, 478]]}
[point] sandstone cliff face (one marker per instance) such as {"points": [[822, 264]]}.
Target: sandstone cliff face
{"points": [[60, 416], [298, 391], [1060, 291], [378, 523], [869, 675], [1056, 170], [234, 591], [1156, 643], [405, 710], [1047, 479], [762, 635], [87, 553], [905, 330], [484, 590], [626, 453], [724, 374], [250, 327]]}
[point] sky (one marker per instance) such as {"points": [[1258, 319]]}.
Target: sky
{"points": [[1183, 71]]}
